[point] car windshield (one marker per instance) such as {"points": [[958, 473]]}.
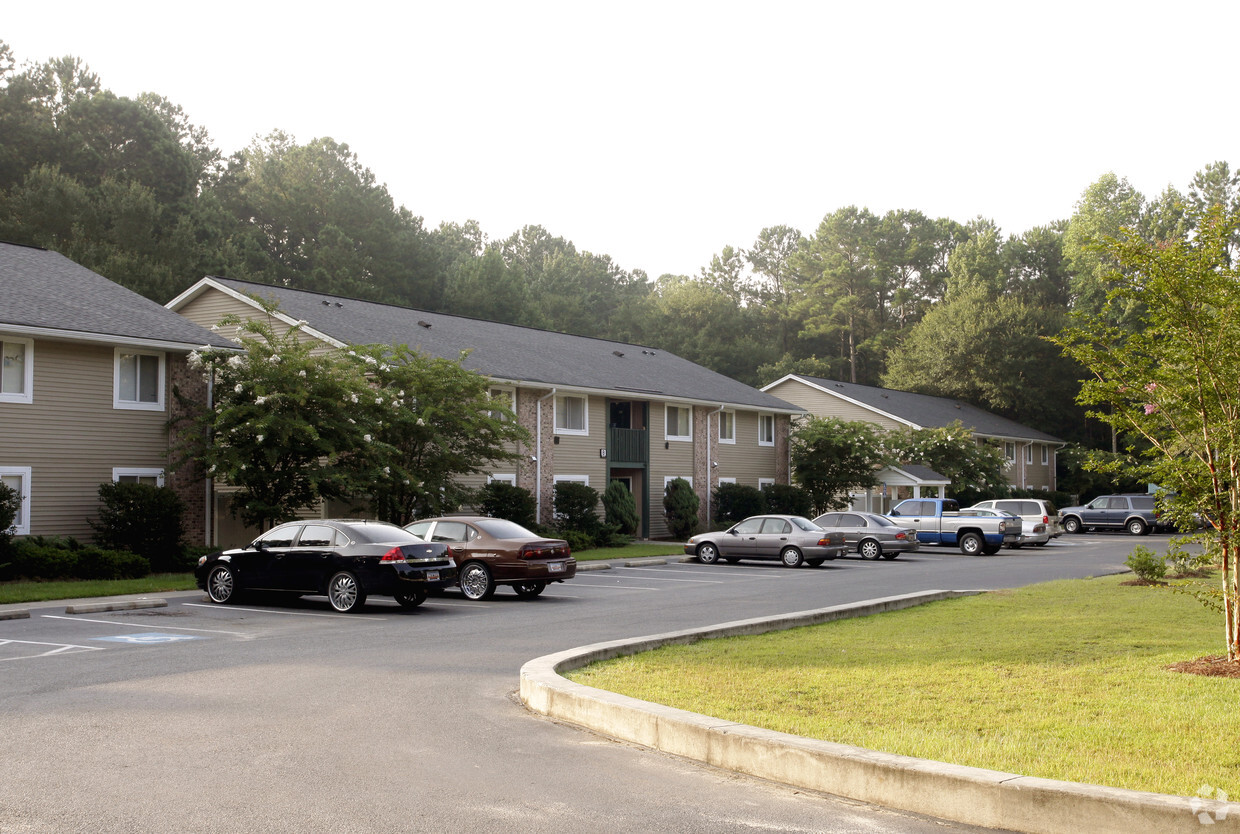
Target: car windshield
{"points": [[804, 523], [380, 532], [500, 528]]}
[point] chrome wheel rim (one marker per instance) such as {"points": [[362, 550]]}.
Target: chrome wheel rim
{"points": [[343, 593], [474, 582], [221, 584]]}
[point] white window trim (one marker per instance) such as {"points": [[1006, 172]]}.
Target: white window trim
{"points": [[1046, 455], [1009, 451], [585, 415], [129, 405], [731, 439], [761, 418], [26, 395], [667, 479], [727, 480], [572, 479], [22, 472], [765, 482], [510, 392], [503, 478], [1028, 453], [688, 438], [119, 472]]}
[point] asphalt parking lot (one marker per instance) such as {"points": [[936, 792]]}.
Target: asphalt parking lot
{"points": [[283, 715]]}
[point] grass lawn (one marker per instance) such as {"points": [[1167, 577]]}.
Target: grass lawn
{"points": [[43, 591], [1064, 680], [630, 551]]}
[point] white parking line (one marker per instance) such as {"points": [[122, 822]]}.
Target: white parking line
{"points": [[617, 587], [61, 648], [668, 579], [728, 571], [145, 626], [277, 611]]}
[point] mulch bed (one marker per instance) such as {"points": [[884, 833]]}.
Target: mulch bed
{"points": [[1216, 666]]}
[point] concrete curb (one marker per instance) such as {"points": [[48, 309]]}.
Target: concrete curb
{"points": [[15, 614], [126, 605], [969, 795]]}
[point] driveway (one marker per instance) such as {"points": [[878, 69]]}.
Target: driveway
{"points": [[284, 716]]}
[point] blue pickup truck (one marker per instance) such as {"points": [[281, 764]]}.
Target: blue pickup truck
{"points": [[940, 521]]}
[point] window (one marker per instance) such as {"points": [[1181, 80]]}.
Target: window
{"points": [[573, 479], [18, 478], [281, 536], [453, 531], [16, 370], [139, 380], [776, 526], [319, 535], [727, 426], [763, 483], [1009, 451], [132, 475], [1028, 453], [502, 479], [505, 398], [679, 424], [570, 415], [668, 479], [727, 480], [749, 526], [766, 429], [1046, 454]]}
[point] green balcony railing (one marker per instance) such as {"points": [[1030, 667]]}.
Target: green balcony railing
{"points": [[628, 446]]}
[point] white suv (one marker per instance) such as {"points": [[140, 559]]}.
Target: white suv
{"points": [[1032, 511]]}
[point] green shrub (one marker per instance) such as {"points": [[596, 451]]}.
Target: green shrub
{"points": [[577, 540], [620, 508], [576, 507], [680, 507], [1146, 564], [500, 500], [143, 519], [736, 502], [788, 500], [10, 504], [38, 557]]}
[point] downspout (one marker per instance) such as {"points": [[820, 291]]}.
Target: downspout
{"points": [[208, 533], [537, 461], [710, 461]]}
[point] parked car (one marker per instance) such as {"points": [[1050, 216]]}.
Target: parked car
{"points": [[494, 551], [870, 535], [791, 539], [939, 521], [1134, 512], [1031, 532], [346, 560], [1029, 509]]}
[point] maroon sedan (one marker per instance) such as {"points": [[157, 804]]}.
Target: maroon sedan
{"points": [[493, 551]]}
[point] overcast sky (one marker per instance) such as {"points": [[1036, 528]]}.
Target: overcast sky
{"points": [[660, 132]]}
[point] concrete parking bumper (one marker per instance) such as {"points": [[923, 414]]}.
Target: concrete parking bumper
{"points": [[969, 795]]}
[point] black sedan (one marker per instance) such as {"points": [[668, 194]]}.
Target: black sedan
{"points": [[344, 560]]}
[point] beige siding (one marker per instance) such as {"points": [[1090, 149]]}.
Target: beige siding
{"points": [[743, 460], [821, 404], [71, 437], [676, 461], [578, 455], [211, 306]]}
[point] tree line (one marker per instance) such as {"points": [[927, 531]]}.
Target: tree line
{"points": [[133, 190]]}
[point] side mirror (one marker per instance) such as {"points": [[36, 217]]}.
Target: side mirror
{"points": [[732, 532], [260, 545]]}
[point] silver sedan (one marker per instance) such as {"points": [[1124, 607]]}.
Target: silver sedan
{"points": [[791, 539], [870, 535]]}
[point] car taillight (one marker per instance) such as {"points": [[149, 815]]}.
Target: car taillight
{"points": [[1046, 520], [393, 555], [901, 535]]}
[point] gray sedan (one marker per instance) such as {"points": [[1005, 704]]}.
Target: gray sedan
{"points": [[870, 535], [791, 539]]}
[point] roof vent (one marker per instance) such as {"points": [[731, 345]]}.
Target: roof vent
{"points": [[425, 324], [326, 303], [617, 353], [885, 397], [957, 405], [338, 304]]}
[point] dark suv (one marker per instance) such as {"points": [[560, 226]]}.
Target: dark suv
{"points": [[1134, 512]]}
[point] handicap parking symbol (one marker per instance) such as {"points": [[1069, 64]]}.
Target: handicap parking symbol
{"points": [[148, 638]]}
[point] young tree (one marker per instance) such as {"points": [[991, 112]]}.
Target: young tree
{"points": [[1173, 381], [434, 421], [975, 469], [832, 458], [288, 427]]}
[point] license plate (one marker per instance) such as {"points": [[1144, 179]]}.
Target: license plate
{"points": [[555, 567], [432, 576]]}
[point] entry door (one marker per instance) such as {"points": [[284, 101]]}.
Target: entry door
{"points": [[742, 541]]}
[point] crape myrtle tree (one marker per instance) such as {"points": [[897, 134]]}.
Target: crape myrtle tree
{"points": [[1173, 383], [832, 458], [291, 426], [435, 423], [287, 427]]}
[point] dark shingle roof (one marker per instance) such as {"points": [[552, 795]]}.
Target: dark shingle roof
{"points": [[45, 290], [926, 411], [512, 352]]}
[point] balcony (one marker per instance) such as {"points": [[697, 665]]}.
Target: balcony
{"points": [[628, 446]]}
